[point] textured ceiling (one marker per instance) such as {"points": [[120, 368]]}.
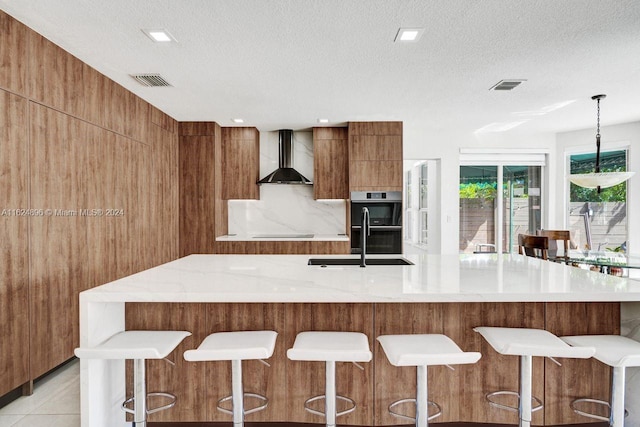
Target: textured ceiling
{"points": [[286, 63]]}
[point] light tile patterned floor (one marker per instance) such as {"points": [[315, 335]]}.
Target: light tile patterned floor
{"points": [[55, 402]]}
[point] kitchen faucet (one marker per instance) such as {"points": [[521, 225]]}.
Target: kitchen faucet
{"points": [[364, 232]]}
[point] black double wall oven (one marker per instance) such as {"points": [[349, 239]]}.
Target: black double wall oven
{"points": [[385, 220]]}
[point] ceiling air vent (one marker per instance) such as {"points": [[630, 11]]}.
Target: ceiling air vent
{"points": [[150, 80], [507, 84]]}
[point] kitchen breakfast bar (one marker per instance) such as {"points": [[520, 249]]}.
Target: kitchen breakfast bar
{"points": [[446, 294]]}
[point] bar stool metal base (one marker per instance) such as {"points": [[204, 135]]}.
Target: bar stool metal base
{"points": [[412, 400], [140, 395], [246, 411], [321, 413], [490, 396], [172, 402], [237, 397], [330, 347], [590, 415]]}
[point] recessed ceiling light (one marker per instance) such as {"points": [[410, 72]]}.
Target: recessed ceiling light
{"points": [[323, 120], [159, 35], [238, 120], [409, 34]]}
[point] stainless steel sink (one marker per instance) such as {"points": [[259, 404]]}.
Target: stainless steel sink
{"points": [[356, 261]]}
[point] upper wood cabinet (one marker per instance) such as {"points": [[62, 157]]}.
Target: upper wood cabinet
{"points": [[55, 77], [375, 156], [330, 163], [13, 55], [240, 163]]}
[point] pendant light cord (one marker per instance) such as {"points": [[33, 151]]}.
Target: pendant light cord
{"points": [[598, 141]]}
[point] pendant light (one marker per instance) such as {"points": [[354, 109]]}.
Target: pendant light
{"points": [[599, 179]]}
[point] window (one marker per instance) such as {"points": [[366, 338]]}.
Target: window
{"points": [[598, 221]]}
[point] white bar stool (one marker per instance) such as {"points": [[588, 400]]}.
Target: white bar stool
{"points": [[330, 347], [619, 353], [139, 346], [236, 347], [422, 351], [527, 343]]}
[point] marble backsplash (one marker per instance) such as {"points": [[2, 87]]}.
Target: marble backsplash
{"points": [[282, 208]]}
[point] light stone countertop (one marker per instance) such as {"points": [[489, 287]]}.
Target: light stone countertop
{"points": [[433, 278], [283, 237]]}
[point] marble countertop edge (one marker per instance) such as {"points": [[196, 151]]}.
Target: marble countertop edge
{"points": [[258, 238]]}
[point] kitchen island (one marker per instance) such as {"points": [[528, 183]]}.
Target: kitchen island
{"points": [[439, 294]]}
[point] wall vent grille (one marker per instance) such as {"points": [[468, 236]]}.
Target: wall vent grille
{"points": [[150, 80], [507, 84]]}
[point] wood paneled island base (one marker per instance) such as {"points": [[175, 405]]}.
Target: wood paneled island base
{"points": [[460, 392], [446, 294]]}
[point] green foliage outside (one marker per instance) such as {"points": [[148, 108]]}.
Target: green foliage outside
{"points": [[478, 190], [616, 193], [485, 190]]}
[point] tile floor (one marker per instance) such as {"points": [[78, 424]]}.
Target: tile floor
{"points": [[55, 402]]}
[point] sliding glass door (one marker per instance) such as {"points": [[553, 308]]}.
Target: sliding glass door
{"points": [[491, 219]]}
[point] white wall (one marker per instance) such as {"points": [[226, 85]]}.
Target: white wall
{"points": [[447, 149], [615, 136]]}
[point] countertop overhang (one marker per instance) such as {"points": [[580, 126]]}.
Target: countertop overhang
{"points": [[433, 278]]}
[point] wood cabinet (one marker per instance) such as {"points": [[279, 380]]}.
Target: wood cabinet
{"points": [[13, 55], [203, 214], [55, 77], [240, 163], [73, 142], [76, 168], [330, 163], [58, 177], [375, 156], [61, 81], [14, 264]]}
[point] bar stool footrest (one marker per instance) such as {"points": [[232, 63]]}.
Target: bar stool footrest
{"points": [[495, 404], [590, 415], [407, 417], [172, 402], [322, 396], [246, 411]]}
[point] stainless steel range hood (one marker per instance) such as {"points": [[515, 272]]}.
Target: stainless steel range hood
{"points": [[285, 174]]}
